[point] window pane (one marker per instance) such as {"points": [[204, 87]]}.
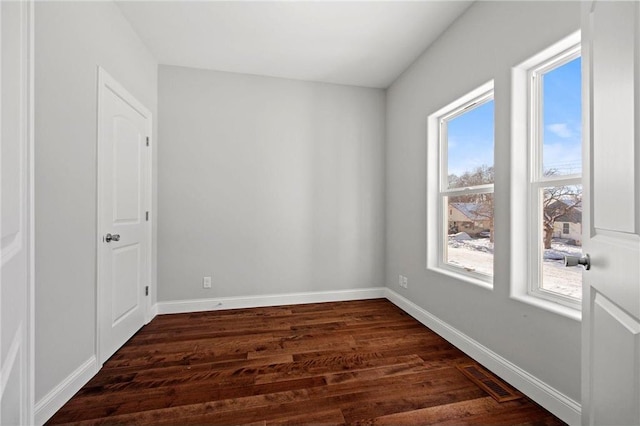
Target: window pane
{"points": [[561, 236], [470, 147], [562, 120], [470, 235]]}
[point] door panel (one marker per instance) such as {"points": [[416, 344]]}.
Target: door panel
{"points": [[127, 156], [126, 281], [614, 260], [123, 163], [13, 148], [16, 221], [11, 399], [617, 335], [611, 308], [613, 159]]}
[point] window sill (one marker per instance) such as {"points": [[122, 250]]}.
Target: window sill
{"points": [[547, 305], [453, 273]]}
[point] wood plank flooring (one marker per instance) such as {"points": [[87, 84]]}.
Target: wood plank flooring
{"points": [[361, 362]]}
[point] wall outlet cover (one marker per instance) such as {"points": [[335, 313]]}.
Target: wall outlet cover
{"points": [[206, 282]]}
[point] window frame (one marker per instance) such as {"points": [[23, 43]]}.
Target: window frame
{"points": [[437, 185], [528, 180], [538, 180]]}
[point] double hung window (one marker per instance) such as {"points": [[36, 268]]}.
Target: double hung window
{"points": [[555, 189], [463, 226], [546, 178]]}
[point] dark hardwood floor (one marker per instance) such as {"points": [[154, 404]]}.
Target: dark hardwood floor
{"points": [[361, 362]]}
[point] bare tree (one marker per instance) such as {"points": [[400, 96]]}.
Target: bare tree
{"points": [[481, 175], [558, 202]]}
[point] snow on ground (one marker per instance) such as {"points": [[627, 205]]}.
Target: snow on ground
{"points": [[471, 254], [477, 255]]}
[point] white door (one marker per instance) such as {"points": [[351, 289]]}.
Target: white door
{"points": [[123, 227], [611, 306], [16, 220]]}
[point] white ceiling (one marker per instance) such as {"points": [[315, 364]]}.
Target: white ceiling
{"points": [[362, 43]]}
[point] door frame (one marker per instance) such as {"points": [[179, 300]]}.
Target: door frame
{"points": [[107, 82]]}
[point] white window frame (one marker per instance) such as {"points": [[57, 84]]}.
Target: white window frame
{"points": [[437, 191], [528, 180]]}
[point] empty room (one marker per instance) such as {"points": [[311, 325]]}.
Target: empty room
{"points": [[320, 212]]}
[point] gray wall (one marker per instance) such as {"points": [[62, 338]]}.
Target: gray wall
{"points": [[72, 40], [483, 44], [275, 186], [269, 185]]}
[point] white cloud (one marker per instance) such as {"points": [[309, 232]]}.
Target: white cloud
{"points": [[560, 129]]}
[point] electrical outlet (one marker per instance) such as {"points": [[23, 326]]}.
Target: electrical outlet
{"points": [[403, 281], [206, 282]]}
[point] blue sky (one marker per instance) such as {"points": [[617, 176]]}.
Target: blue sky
{"points": [[562, 119], [471, 135], [470, 139]]}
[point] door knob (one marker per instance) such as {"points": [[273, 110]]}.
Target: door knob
{"points": [[575, 261], [115, 237]]}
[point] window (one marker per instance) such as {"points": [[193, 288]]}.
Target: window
{"points": [[556, 175], [547, 177], [461, 145]]}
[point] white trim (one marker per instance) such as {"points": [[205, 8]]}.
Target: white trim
{"points": [[550, 398], [548, 305], [31, 242], [455, 273], [153, 312], [199, 305], [58, 396]]}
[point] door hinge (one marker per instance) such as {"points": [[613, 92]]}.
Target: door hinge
{"points": [[147, 140], [147, 216], [146, 291]]}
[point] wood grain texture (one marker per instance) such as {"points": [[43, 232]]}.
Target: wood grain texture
{"points": [[361, 362]]}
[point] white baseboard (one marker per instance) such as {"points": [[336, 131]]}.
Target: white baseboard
{"points": [[199, 305], [153, 312], [58, 396], [565, 408]]}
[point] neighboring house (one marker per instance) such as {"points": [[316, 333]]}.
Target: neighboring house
{"points": [[467, 217], [569, 226]]}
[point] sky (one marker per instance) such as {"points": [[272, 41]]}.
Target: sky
{"points": [[562, 149], [470, 139], [471, 135]]}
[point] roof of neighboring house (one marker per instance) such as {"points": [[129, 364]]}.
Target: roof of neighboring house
{"points": [[470, 210]]}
